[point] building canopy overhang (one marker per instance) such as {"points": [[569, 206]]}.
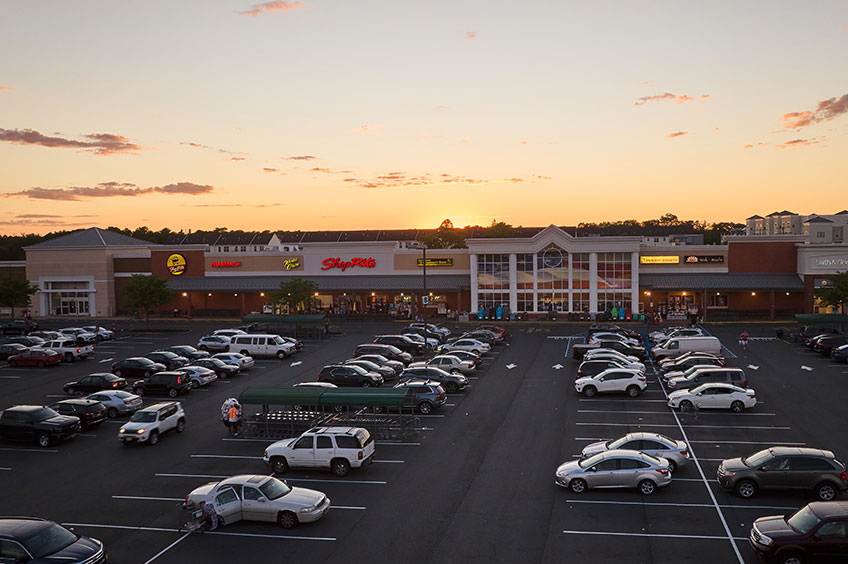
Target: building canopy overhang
{"points": [[728, 281], [443, 282]]}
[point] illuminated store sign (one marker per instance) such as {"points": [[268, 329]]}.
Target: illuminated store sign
{"points": [[831, 262], [701, 259], [436, 262], [659, 259], [337, 262], [226, 264], [291, 264], [176, 264]]}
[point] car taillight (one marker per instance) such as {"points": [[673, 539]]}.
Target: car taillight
{"points": [[127, 402], [844, 476], [79, 351], [751, 395], [179, 379], [642, 379], [663, 471], [684, 453], [114, 384], [579, 372], [359, 455]]}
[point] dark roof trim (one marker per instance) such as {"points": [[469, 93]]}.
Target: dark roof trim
{"points": [[358, 283], [722, 281]]}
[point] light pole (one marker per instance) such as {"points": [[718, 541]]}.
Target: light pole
{"points": [[423, 247]]}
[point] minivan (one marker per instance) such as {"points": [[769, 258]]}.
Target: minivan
{"points": [[698, 376], [676, 346], [261, 345]]}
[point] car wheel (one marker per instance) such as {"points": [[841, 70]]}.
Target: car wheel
{"points": [[287, 519], [138, 391], [452, 388], [672, 466], [118, 373], [180, 425], [686, 405], [154, 438], [632, 391], [112, 413], [43, 440], [279, 465], [647, 487], [425, 407], [577, 485], [737, 406], [41, 364], [340, 467], [12, 363], [590, 391], [826, 491], [244, 353], [69, 357], [147, 374], [173, 391], [792, 558], [475, 351], [746, 489], [366, 384], [281, 355], [204, 348], [194, 384], [222, 375]]}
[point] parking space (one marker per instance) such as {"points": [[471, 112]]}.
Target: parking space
{"points": [[477, 484]]}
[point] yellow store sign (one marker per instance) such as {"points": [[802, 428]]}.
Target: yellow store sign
{"points": [[659, 259]]}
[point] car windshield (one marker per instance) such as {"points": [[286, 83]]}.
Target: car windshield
{"points": [[120, 394], [185, 349], [394, 349], [274, 489], [358, 369], [278, 340], [143, 417], [49, 540], [591, 461], [44, 413], [367, 364], [699, 389], [757, 458], [378, 359], [616, 443], [803, 520]]}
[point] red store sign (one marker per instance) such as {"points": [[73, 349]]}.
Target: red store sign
{"points": [[343, 265], [225, 264]]}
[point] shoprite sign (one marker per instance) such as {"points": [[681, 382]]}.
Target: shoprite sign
{"points": [[436, 262], [337, 262]]}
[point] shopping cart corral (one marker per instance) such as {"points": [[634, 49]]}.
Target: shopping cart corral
{"points": [[278, 413]]}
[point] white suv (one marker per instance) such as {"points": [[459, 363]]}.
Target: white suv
{"points": [[336, 448], [612, 380], [147, 424]]}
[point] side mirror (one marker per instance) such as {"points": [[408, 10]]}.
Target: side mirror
{"points": [[593, 469], [816, 537], [261, 500], [764, 469]]}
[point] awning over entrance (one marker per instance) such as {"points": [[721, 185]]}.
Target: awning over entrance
{"points": [[728, 281], [452, 282]]}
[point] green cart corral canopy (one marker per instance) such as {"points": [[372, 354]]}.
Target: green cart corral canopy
{"points": [[313, 395], [821, 318]]}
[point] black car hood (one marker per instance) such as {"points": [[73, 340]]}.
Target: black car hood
{"points": [[775, 526], [60, 420], [79, 551]]}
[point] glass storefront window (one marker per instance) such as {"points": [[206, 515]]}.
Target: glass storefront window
{"points": [[614, 270], [580, 272], [524, 271], [552, 268], [492, 271], [525, 301]]}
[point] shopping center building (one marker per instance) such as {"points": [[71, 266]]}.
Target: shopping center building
{"points": [[539, 273]]}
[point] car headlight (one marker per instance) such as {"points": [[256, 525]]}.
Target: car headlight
{"points": [[309, 509], [141, 431], [122, 431]]}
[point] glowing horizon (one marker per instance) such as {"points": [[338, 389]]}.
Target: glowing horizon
{"points": [[320, 114]]}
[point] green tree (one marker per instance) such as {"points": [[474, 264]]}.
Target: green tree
{"points": [[835, 294], [294, 293], [500, 229], [445, 237], [15, 292], [145, 292]]}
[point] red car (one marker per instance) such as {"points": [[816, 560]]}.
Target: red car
{"points": [[35, 357]]}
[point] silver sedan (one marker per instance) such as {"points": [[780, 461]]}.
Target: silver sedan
{"points": [[615, 469], [654, 444], [117, 402]]}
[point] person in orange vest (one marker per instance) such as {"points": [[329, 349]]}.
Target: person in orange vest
{"points": [[234, 417]]}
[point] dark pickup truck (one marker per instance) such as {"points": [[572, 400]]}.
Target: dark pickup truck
{"points": [[37, 423], [578, 351]]}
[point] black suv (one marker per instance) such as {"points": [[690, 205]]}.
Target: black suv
{"points": [[389, 351], [136, 367], [171, 383], [402, 342], [785, 468], [347, 375], [817, 532], [32, 540], [221, 368], [170, 360], [19, 327], [189, 352], [90, 412], [451, 382], [37, 423]]}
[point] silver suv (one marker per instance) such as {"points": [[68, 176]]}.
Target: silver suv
{"points": [[425, 395], [147, 424]]}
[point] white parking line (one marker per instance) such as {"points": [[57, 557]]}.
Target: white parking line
{"points": [[215, 477], [658, 535], [106, 360], [390, 461], [221, 533], [630, 400], [45, 450], [4, 468], [167, 548], [669, 504], [446, 405], [57, 396], [617, 411], [10, 377], [86, 435], [392, 443], [226, 456], [431, 415], [717, 443], [697, 426]]}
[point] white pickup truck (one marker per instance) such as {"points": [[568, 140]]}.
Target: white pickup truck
{"points": [[69, 350]]}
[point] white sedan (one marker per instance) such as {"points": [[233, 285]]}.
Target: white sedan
{"points": [[470, 345], [199, 376], [448, 363], [244, 362], [598, 337], [261, 498], [714, 395], [612, 380], [100, 333], [593, 354]]}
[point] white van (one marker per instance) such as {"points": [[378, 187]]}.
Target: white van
{"points": [[676, 346], [261, 345]]}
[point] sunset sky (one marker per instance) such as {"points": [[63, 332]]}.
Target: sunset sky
{"points": [[346, 114]]}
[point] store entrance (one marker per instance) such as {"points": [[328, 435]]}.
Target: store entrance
{"points": [[73, 306], [680, 303]]}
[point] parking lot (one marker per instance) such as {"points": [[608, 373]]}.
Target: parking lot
{"points": [[477, 485]]}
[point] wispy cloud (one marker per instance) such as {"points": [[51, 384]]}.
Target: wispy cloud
{"points": [[797, 143], [668, 96], [274, 205], [236, 158], [324, 170], [110, 190], [825, 110], [301, 158], [2, 88], [469, 35], [677, 134], [98, 143], [366, 128], [274, 6], [201, 146], [269, 169]]}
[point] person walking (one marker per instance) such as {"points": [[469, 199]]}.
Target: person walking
{"points": [[234, 417], [743, 340]]}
